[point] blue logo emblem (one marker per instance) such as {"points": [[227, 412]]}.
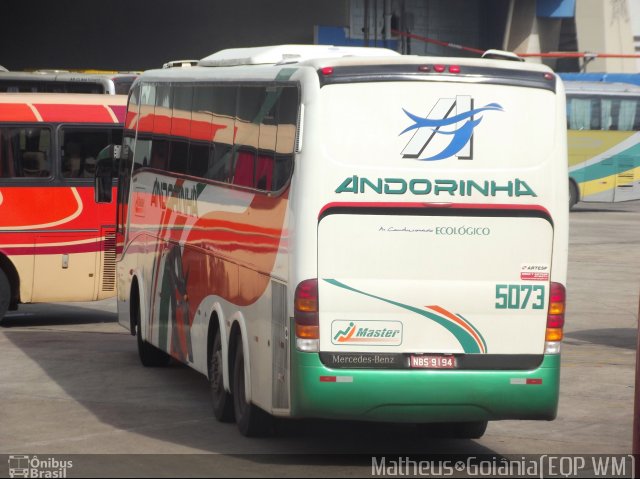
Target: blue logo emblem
{"points": [[446, 131]]}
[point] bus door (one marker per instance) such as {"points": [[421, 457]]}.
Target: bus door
{"points": [[627, 178]]}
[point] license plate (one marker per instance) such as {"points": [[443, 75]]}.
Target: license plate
{"points": [[426, 361]]}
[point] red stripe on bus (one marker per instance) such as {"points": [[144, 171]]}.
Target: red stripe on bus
{"points": [[435, 205], [91, 247], [74, 113], [16, 112], [120, 111]]}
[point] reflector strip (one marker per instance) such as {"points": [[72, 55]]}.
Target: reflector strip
{"points": [[336, 379], [526, 381]]}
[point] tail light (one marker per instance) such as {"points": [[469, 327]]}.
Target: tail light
{"points": [[555, 318], [305, 313]]}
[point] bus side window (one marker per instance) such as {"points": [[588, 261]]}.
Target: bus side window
{"points": [[25, 153], [161, 128], [182, 99], [201, 149], [247, 124], [222, 123], [80, 148], [287, 119]]}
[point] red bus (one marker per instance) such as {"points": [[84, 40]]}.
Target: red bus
{"points": [[56, 242]]}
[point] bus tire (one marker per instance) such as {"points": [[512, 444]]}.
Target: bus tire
{"points": [[455, 430], [251, 420], [573, 194], [150, 356], [5, 294], [221, 400]]}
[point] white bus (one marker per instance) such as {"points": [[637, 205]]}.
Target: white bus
{"points": [[62, 81], [349, 233]]}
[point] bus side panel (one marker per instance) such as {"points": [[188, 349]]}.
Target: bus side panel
{"points": [[606, 164]]}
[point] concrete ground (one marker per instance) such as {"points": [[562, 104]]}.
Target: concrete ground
{"points": [[71, 384]]}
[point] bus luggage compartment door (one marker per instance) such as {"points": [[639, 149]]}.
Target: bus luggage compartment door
{"points": [[65, 268]]}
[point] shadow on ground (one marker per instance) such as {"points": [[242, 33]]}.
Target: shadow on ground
{"points": [[625, 338]]}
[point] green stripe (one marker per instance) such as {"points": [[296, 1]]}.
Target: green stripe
{"points": [[629, 159]]}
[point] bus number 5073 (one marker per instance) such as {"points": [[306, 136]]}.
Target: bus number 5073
{"points": [[519, 296]]}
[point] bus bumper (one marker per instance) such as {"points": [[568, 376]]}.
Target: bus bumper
{"points": [[422, 396]]}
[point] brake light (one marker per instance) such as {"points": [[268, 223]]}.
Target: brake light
{"points": [[454, 69], [326, 71], [439, 68], [555, 317], [305, 311]]}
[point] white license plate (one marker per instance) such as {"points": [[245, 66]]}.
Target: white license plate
{"points": [[427, 361]]}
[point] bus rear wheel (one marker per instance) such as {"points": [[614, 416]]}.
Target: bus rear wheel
{"points": [[251, 420], [222, 401], [150, 356], [573, 194], [5, 294], [455, 430]]}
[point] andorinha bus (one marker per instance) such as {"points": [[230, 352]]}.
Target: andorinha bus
{"points": [[56, 242], [349, 233], [603, 121], [61, 81]]}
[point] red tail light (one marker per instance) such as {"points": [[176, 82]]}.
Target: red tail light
{"points": [[555, 316], [306, 309], [327, 71], [454, 69], [439, 68]]}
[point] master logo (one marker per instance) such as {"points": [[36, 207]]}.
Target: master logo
{"points": [[366, 333]]}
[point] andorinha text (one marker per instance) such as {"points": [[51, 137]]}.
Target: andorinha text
{"points": [[422, 186], [176, 197]]}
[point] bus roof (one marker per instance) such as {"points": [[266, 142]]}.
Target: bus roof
{"points": [[601, 88], [265, 63], [278, 54]]}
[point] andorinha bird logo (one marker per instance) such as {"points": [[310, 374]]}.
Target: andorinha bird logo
{"points": [[453, 117]]}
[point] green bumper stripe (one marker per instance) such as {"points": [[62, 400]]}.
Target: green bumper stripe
{"points": [[422, 396]]}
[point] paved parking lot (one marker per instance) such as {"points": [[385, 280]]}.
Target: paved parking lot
{"points": [[71, 383]]}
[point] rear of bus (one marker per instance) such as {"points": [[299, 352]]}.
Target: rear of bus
{"points": [[432, 233]]}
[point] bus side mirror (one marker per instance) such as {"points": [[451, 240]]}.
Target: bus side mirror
{"points": [[106, 161]]}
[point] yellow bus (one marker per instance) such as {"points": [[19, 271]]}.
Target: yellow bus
{"points": [[603, 122]]}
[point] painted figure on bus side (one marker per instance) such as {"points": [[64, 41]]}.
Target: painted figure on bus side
{"points": [[173, 314]]}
